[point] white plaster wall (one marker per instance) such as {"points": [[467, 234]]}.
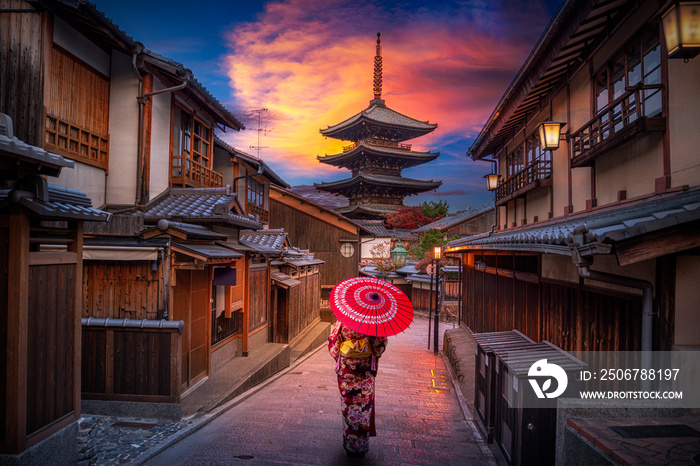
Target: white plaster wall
{"points": [[538, 201], [160, 141], [684, 115], [89, 179], [366, 248], [77, 44], [687, 312], [634, 167], [558, 267], [123, 130]]}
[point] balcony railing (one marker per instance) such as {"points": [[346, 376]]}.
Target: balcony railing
{"points": [[257, 210], [379, 142], [537, 173], [626, 117], [187, 172]]}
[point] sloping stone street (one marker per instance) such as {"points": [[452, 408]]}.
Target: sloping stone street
{"points": [[295, 418]]}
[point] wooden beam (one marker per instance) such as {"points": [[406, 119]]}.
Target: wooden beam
{"points": [[658, 243], [17, 332]]}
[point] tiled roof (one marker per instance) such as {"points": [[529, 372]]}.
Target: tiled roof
{"points": [[62, 203], [322, 198], [190, 229], [382, 115], [376, 227], [264, 240], [198, 204], [374, 209], [452, 220], [397, 181], [605, 226], [412, 158]]}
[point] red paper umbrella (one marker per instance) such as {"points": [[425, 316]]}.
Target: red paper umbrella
{"points": [[371, 306]]}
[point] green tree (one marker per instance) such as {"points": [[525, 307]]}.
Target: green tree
{"points": [[435, 210], [423, 251]]}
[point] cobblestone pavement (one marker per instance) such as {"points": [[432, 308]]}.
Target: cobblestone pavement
{"points": [[295, 418]]}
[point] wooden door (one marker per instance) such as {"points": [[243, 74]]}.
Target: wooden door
{"points": [[191, 305]]}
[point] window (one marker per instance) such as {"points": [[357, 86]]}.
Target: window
{"points": [[191, 160], [77, 111], [515, 162], [638, 65], [347, 250], [256, 192]]}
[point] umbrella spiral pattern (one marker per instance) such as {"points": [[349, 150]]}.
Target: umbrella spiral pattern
{"points": [[371, 306]]}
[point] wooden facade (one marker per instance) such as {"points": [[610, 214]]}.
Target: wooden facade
{"points": [[123, 289], [320, 230], [131, 364], [39, 309], [298, 306], [574, 317]]}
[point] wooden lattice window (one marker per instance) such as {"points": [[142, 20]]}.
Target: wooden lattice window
{"points": [[191, 161], [77, 109]]}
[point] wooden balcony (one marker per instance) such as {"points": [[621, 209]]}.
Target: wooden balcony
{"points": [[379, 142], [536, 174], [188, 173], [257, 210], [624, 119]]}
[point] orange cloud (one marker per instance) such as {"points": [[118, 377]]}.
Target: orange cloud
{"points": [[310, 63]]}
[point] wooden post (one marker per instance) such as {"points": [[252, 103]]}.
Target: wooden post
{"points": [[17, 332], [77, 247]]}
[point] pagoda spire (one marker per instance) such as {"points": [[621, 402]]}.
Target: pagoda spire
{"points": [[378, 72]]}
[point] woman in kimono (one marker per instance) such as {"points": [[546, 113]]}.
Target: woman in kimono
{"points": [[356, 358]]}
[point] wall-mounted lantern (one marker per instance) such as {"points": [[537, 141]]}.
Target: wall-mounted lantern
{"points": [[480, 265], [492, 181], [550, 132], [681, 25]]}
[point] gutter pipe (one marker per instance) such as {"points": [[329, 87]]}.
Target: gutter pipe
{"points": [[141, 99], [583, 264]]}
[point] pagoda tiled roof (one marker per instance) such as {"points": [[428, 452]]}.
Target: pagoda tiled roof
{"points": [[379, 114], [383, 180], [411, 158], [371, 209]]}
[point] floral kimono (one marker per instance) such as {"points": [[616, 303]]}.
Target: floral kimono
{"points": [[356, 384]]}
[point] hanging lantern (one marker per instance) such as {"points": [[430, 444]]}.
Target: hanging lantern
{"points": [[492, 181], [681, 26], [549, 134]]}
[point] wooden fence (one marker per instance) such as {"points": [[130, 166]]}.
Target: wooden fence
{"points": [[131, 360]]}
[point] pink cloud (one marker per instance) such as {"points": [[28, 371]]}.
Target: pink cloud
{"points": [[311, 62]]}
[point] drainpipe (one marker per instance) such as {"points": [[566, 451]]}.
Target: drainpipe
{"points": [[140, 156], [584, 263]]}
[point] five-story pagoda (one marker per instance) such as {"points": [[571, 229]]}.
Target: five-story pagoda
{"points": [[377, 156]]}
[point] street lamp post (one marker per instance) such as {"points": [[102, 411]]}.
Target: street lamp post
{"points": [[437, 255]]}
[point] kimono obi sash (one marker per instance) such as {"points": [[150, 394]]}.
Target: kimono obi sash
{"points": [[356, 348]]}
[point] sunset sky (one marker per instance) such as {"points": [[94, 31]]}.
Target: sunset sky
{"points": [[310, 63]]}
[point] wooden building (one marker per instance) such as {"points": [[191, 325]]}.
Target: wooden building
{"points": [[376, 156], [41, 297], [139, 130], [597, 241], [331, 237]]}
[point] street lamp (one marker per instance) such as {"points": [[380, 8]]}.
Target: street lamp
{"points": [[398, 255], [549, 134], [681, 25], [437, 254]]}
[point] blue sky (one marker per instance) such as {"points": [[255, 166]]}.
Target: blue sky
{"points": [[310, 63]]}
